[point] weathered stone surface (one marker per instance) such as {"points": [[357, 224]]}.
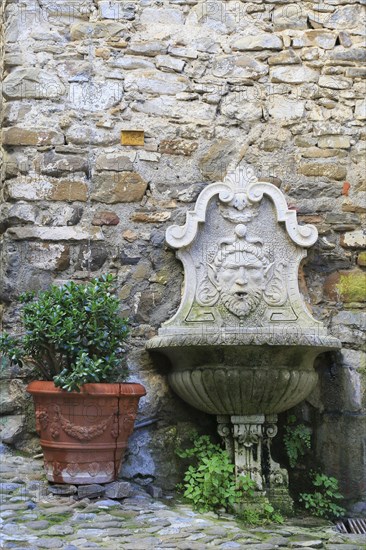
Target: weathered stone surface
{"points": [[32, 83], [26, 136], [258, 42], [95, 96], [346, 286], [55, 233], [289, 16], [151, 217], [155, 82], [47, 188], [105, 218], [118, 489], [332, 171], [360, 110], [214, 163], [320, 38], [116, 10], [158, 16], [335, 82], [354, 239], [361, 259], [55, 164], [287, 57], [91, 491], [117, 162], [296, 75], [282, 108], [47, 256], [148, 48], [100, 29], [349, 17], [169, 64], [114, 187], [178, 147], [335, 142], [12, 428]]}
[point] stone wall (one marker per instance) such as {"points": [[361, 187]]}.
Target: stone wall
{"points": [[209, 83]]}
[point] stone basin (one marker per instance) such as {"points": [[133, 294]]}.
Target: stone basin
{"points": [[242, 379]]}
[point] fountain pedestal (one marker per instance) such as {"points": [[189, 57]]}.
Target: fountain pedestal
{"points": [[243, 342], [248, 442]]}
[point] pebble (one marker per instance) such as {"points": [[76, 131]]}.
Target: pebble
{"points": [[140, 522]]}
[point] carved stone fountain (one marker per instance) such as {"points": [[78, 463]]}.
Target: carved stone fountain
{"points": [[243, 342]]}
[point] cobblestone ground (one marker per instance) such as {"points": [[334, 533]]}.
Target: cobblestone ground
{"points": [[30, 518]]}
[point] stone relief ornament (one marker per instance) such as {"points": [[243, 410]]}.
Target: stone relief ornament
{"points": [[240, 275]]}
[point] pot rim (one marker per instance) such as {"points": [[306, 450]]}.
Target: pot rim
{"points": [[102, 388]]}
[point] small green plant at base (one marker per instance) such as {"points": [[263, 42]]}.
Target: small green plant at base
{"points": [[323, 501], [210, 484], [297, 439]]}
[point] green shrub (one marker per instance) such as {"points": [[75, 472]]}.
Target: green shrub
{"points": [[323, 501], [72, 334]]}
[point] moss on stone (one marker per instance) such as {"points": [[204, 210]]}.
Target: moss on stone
{"points": [[352, 286]]}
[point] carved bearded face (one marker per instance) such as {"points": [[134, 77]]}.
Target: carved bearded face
{"points": [[240, 279]]}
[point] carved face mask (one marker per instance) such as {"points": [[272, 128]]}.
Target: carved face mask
{"points": [[240, 281]]}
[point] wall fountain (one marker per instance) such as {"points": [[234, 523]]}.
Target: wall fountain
{"points": [[243, 342]]}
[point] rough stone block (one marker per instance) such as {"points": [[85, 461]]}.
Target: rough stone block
{"points": [[47, 188], [151, 217], [282, 108], [155, 82], [346, 286], [11, 429], [114, 187], [35, 137], [118, 489], [360, 109], [198, 113], [289, 16], [118, 162], [131, 62], [90, 491], [294, 75], [105, 218], [48, 256], [318, 38], [178, 147], [62, 489], [56, 233], [169, 64], [334, 142], [335, 82], [346, 17], [354, 239], [166, 16], [260, 41], [116, 10], [95, 96], [331, 171], [361, 259], [55, 164], [100, 29], [32, 83], [148, 48]]}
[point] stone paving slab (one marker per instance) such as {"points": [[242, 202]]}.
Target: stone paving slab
{"points": [[33, 518]]}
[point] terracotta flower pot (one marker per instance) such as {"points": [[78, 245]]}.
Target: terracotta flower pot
{"points": [[84, 435]]}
